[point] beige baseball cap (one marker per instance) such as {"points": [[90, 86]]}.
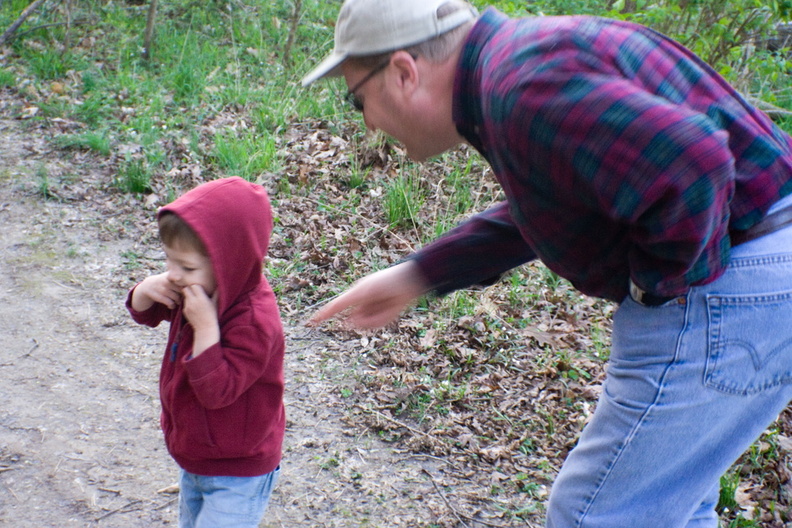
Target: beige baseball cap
{"points": [[369, 27]]}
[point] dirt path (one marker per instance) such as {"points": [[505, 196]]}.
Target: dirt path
{"points": [[79, 438]]}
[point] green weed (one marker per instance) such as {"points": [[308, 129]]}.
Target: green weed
{"points": [[48, 64], [95, 141], [43, 185], [134, 176], [7, 78], [94, 110], [403, 199], [247, 154], [132, 260]]}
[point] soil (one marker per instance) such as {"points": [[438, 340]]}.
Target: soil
{"points": [[80, 443]]}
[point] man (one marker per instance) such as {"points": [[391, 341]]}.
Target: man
{"points": [[636, 172]]}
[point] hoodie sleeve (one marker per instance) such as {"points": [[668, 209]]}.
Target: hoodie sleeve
{"points": [[246, 355], [151, 317]]}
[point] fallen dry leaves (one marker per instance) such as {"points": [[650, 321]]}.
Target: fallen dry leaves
{"points": [[497, 382]]}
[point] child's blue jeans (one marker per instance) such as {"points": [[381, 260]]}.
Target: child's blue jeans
{"points": [[690, 385], [224, 502]]}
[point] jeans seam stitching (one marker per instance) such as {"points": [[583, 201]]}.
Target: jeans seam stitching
{"points": [[640, 422]]}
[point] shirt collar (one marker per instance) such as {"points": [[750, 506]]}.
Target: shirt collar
{"points": [[467, 112]]}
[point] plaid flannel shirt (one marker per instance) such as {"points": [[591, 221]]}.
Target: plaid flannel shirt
{"points": [[621, 154]]}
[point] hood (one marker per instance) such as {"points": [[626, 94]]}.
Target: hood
{"points": [[233, 219]]}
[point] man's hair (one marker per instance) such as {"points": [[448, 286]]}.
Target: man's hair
{"points": [[174, 232], [436, 49]]}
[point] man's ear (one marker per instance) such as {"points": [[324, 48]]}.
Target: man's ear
{"points": [[406, 70]]}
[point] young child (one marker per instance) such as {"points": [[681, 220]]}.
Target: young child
{"points": [[221, 383]]}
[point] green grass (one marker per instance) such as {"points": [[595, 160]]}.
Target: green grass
{"points": [[134, 176], [225, 67], [404, 198], [43, 182], [245, 154], [7, 78], [98, 142]]}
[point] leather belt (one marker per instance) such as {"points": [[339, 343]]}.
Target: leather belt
{"points": [[648, 299], [768, 224]]}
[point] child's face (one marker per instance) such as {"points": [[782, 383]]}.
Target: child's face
{"points": [[187, 267]]}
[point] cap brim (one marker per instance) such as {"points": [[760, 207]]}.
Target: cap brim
{"points": [[327, 68]]}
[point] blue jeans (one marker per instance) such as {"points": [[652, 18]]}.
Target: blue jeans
{"points": [[690, 385], [224, 502]]}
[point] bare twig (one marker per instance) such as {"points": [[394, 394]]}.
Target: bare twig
{"points": [[769, 108], [11, 491], [163, 506], [34, 347], [13, 27], [448, 504], [457, 514], [173, 488], [108, 490], [67, 33], [397, 422], [54, 24], [122, 509]]}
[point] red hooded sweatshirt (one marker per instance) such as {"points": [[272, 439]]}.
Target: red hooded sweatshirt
{"points": [[222, 412]]}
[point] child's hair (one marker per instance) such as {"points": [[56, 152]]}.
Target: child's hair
{"points": [[174, 232]]}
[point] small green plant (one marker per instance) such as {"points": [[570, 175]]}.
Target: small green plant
{"points": [[527, 485], [330, 462], [247, 156], [551, 279], [43, 182], [96, 141], [131, 260], [459, 181], [49, 64], [458, 304], [527, 446], [7, 78], [403, 199], [728, 507], [134, 177], [357, 177], [90, 81], [93, 110], [273, 109]]}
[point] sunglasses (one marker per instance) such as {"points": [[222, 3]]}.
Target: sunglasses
{"points": [[352, 98]]}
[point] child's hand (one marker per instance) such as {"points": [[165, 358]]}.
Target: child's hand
{"points": [[199, 309], [156, 289], [201, 312]]}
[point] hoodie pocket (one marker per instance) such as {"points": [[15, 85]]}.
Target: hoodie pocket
{"points": [[188, 432]]}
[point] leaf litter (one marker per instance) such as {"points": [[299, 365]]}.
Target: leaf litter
{"points": [[494, 383]]}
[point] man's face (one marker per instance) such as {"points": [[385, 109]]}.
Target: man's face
{"points": [[188, 266], [398, 109]]}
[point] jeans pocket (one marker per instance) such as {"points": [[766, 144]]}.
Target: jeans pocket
{"points": [[749, 343]]}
